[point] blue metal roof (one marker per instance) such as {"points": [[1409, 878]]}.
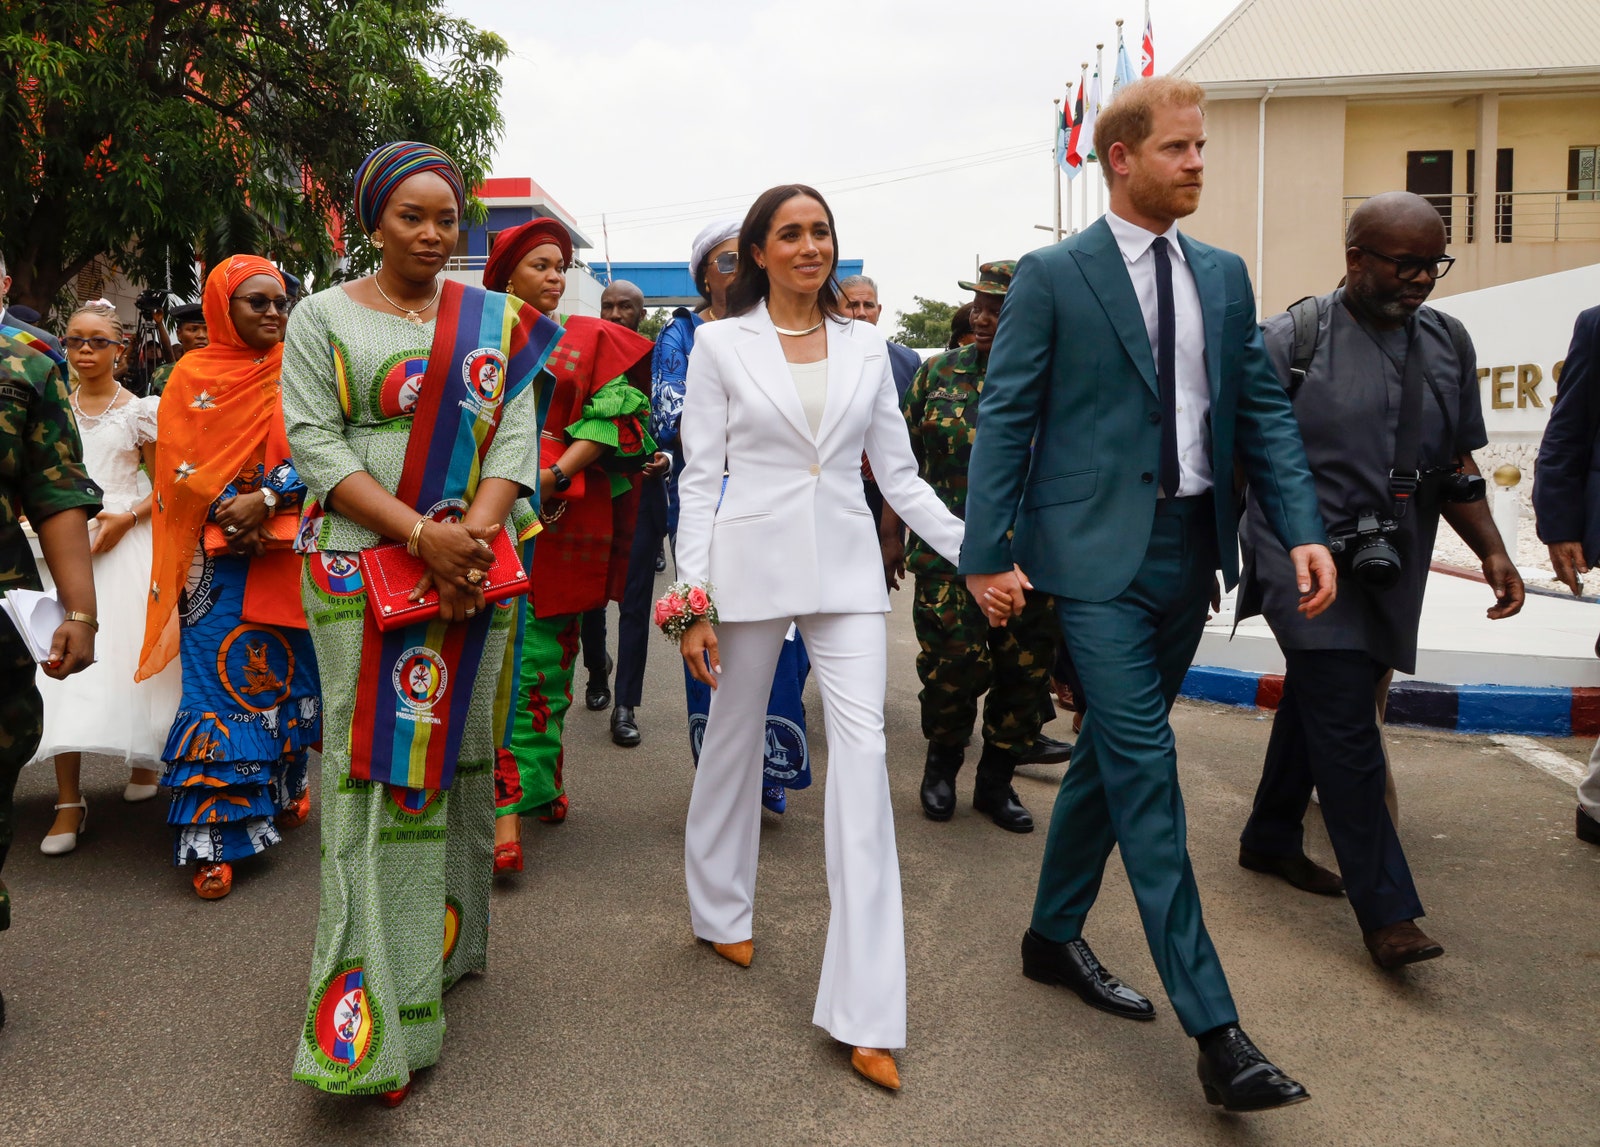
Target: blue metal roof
{"points": [[669, 284]]}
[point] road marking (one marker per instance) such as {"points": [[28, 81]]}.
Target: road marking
{"points": [[1558, 765]]}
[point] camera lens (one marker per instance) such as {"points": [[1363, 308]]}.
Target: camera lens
{"points": [[1375, 562]]}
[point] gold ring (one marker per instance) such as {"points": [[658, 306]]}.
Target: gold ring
{"points": [[474, 576]]}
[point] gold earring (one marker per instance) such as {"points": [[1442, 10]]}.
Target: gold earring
{"points": [[377, 241]]}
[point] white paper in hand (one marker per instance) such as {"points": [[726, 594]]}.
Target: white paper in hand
{"points": [[37, 615]]}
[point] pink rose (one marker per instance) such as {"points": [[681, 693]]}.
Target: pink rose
{"points": [[664, 612], [698, 601], [674, 603]]}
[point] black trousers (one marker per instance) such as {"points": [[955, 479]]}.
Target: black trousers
{"points": [[1326, 735], [638, 596], [592, 638]]}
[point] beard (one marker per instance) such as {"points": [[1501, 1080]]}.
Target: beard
{"points": [[1156, 197]]}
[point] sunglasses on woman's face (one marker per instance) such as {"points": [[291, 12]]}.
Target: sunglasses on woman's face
{"points": [[727, 262], [99, 342], [259, 303]]}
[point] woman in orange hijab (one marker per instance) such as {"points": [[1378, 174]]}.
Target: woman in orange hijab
{"points": [[225, 587]]}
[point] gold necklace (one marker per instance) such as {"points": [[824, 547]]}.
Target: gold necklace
{"points": [[797, 334], [411, 316]]}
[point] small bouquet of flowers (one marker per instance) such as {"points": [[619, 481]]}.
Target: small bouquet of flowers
{"points": [[683, 605]]}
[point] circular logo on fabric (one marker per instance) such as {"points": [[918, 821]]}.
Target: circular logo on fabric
{"points": [[344, 1030], [305, 538], [255, 666], [413, 804], [449, 510], [401, 387], [484, 371], [452, 925], [786, 749], [335, 574], [697, 732], [420, 678]]}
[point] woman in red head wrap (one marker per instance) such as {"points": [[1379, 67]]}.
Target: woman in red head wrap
{"points": [[594, 440], [224, 593]]}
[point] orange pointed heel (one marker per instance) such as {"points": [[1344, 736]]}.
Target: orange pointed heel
{"points": [[555, 812], [877, 1065], [296, 814], [213, 881], [741, 953], [508, 857], [397, 1097]]}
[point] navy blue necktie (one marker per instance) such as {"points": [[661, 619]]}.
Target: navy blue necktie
{"points": [[1166, 367]]}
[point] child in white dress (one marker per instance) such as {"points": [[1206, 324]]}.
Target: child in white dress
{"points": [[101, 710]]}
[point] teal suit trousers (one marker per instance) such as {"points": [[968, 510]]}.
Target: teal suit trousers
{"points": [[1131, 653]]}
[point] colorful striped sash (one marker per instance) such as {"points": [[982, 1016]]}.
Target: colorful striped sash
{"points": [[416, 683]]}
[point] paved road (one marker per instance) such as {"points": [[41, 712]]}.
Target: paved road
{"points": [[140, 1014]]}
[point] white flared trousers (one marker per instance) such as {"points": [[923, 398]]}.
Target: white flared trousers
{"points": [[861, 999]]}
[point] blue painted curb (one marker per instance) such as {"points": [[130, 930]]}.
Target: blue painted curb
{"points": [[1543, 711]]}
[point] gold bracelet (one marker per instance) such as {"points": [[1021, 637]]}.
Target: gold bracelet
{"points": [[416, 536], [86, 618]]}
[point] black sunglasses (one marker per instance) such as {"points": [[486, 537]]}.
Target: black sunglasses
{"points": [[260, 303], [1437, 267], [99, 342], [727, 262]]}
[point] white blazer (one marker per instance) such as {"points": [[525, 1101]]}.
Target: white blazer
{"points": [[792, 534]]}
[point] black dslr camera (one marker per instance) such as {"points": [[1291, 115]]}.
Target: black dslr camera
{"points": [[1366, 553], [1451, 484]]}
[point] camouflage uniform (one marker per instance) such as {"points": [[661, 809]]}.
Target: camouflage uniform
{"points": [[41, 473], [961, 656]]}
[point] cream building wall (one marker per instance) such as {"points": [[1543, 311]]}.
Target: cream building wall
{"points": [[1321, 149]]}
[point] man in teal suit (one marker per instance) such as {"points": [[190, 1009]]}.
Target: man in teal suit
{"points": [[1127, 377]]}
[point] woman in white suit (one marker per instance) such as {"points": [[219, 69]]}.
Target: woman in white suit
{"points": [[783, 396]]}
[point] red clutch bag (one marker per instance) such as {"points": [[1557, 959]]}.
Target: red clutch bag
{"points": [[390, 574]]}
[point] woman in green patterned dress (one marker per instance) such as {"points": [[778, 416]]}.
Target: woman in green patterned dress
{"points": [[413, 410]]}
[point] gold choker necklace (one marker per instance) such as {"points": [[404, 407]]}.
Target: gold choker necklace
{"points": [[797, 334]]}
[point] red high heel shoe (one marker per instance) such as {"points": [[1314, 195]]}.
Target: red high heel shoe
{"points": [[397, 1097], [508, 857], [555, 812]]}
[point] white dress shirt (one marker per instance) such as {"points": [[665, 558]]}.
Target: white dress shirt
{"points": [[1189, 341]]}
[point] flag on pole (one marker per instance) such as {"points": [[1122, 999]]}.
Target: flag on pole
{"points": [[1124, 72], [1064, 123], [1147, 51], [1074, 154], [1091, 111]]}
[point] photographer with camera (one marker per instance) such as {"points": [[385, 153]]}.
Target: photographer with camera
{"points": [[1386, 394]]}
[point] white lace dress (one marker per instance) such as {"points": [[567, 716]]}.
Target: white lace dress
{"points": [[101, 710]]}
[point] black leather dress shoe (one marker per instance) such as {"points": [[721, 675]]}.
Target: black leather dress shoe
{"points": [[597, 695], [938, 780], [1588, 828], [1300, 871], [624, 729], [1046, 751], [1072, 965], [1004, 808], [661, 561], [1237, 1077]]}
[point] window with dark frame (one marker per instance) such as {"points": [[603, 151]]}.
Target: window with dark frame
{"points": [[1583, 178]]}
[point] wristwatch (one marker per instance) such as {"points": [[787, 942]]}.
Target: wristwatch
{"points": [[270, 498], [562, 481]]}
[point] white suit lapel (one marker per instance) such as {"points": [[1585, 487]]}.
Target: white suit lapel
{"points": [[763, 360], [845, 363]]}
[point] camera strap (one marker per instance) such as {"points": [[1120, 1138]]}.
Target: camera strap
{"points": [[1406, 474]]}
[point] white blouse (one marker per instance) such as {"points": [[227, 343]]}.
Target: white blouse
{"points": [[811, 382]]}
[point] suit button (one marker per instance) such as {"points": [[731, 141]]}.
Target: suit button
{"points": [[815, 470], [1147, 477], [1154, 417]]}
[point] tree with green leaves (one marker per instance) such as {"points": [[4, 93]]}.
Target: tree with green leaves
{"points": [[651, 325], [151, 131], [927, 326]]}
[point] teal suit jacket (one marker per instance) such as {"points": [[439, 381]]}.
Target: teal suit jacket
{"points": [[1069, 437]]}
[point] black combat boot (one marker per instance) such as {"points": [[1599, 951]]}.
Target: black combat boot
{"points": [[938, 780], [993, 793]]}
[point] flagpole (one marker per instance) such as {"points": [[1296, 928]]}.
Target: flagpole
{"points": [[1100, 185], [1083, 87], [1055, 125]]}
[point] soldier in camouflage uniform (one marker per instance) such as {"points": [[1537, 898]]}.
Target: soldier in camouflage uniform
{"points": [[961, 657], [188, 322], [42, 477]]}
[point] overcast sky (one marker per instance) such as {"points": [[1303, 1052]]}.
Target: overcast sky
{"points": [[650, 111]]}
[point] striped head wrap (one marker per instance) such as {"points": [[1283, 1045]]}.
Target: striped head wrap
{"points": [[387, 167]]}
